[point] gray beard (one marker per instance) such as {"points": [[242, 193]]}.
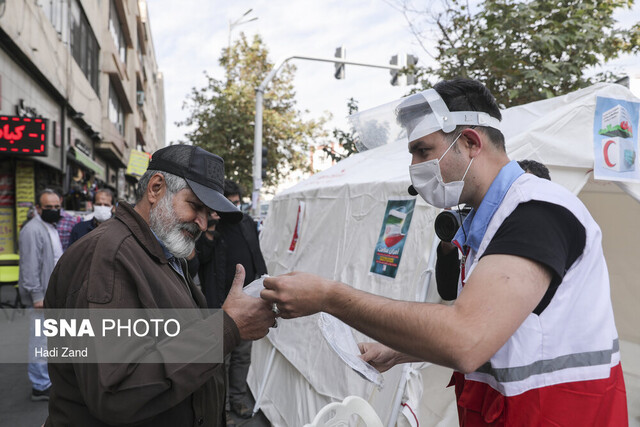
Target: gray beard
{"points": [[164, 223]]}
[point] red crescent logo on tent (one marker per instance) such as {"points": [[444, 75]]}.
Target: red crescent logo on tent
{"points": [[605, 152]]}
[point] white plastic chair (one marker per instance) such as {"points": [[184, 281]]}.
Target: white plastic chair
{"points": [[339, 413]]}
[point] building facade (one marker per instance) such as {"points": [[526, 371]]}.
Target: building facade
{"points": [[80, 96]]}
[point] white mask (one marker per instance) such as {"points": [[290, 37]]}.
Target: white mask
{"points": [[102, 213], [426, 178]]}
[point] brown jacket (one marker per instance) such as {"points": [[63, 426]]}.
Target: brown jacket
{"points": [[121, 265]]}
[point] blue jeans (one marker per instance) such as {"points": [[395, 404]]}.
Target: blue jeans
{"points": [[37, 368]]}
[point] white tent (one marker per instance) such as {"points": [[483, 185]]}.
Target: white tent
{"points": [[343, 210]]}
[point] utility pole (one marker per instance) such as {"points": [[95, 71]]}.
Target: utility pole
{"points": [[257, 140]]}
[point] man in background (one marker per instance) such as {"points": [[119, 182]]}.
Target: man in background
{"points": [[209, 263], [241, 247], [65, 226], [40, 249], [103, 207]]}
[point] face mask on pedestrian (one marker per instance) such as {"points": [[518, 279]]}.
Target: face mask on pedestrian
{"points": [[102, 213], [426, 178], [50, 215]]}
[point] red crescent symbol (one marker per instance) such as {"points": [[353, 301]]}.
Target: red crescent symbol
{"points": [[605, 152]]}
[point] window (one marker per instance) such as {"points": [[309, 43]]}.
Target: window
{"points": [[116, 115], [115, 28], [84, 46], [55, 11], [140, 50]]}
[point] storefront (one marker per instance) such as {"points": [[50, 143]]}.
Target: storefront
{"points": [[84, 172], [24, 149]]}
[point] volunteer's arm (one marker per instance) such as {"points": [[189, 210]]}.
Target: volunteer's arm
{"points": [[499, 295]]}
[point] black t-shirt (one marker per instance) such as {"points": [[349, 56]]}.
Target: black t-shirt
{"points": [[543, 232]]}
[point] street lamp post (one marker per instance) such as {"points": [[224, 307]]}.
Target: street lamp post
{"points": [[257, 136], [237, 22]]}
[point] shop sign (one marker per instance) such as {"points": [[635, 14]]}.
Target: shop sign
{"points": [[26, 111], [138, 163], [23, 135], [25, 190], [80, 145]]}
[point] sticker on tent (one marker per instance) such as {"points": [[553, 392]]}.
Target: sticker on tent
{"points": [[615, 140], [395, 226], [296, 230]]}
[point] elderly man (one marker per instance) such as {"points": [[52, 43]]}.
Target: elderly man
{"points": [[40, 249], [137, 261], [531, 334]]}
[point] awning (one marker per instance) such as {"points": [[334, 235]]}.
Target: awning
{"points": [[87, 161]]}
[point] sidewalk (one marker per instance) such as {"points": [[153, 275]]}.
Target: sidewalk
{"points": [[16, 406], [17, 409]]}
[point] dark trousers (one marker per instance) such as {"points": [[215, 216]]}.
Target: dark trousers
{"points": [[237, 363]]}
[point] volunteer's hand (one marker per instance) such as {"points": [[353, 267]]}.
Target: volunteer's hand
{"points": [[39, 304], [378, 355], [253, 316], [297, 294]]}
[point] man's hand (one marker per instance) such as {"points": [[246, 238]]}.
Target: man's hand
{"points": [[297, 294], [39, 304], [379, 356], [253, 316]]}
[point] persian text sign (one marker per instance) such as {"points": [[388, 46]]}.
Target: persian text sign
{"points": [[23, 135], [138, 163]]}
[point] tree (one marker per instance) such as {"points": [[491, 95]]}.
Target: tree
{"points": [[524, 50], [222, 113], [347, 140]]}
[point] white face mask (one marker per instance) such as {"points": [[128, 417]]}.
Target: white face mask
{"points": [[426, 178], [102, 213]]}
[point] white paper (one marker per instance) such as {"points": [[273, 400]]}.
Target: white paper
{"points": [[254, 288], [339, 336]]}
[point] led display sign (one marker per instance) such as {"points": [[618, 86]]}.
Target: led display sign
{"points": [[23, 135]]}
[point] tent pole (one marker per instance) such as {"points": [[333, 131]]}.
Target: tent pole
{"points": [[265, 377], [431, 265]]}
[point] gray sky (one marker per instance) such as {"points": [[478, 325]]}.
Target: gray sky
{"points": [[190, 34]]}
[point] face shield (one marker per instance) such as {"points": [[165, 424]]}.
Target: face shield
{"points": [[411, 118]]}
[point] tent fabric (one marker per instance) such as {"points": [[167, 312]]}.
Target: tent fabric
{"points": [[344, 208], [339, 229]]}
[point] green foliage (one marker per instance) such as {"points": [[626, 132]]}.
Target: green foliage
{"points": [[222, 114], [345, 139], [527, 50]]}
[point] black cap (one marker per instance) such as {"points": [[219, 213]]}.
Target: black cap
{"points": [[203, 171]]}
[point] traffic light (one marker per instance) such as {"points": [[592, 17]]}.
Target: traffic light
{"points": [[264, 162], [412, 60], [341, 53], [407, 74], [394, 73]]}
